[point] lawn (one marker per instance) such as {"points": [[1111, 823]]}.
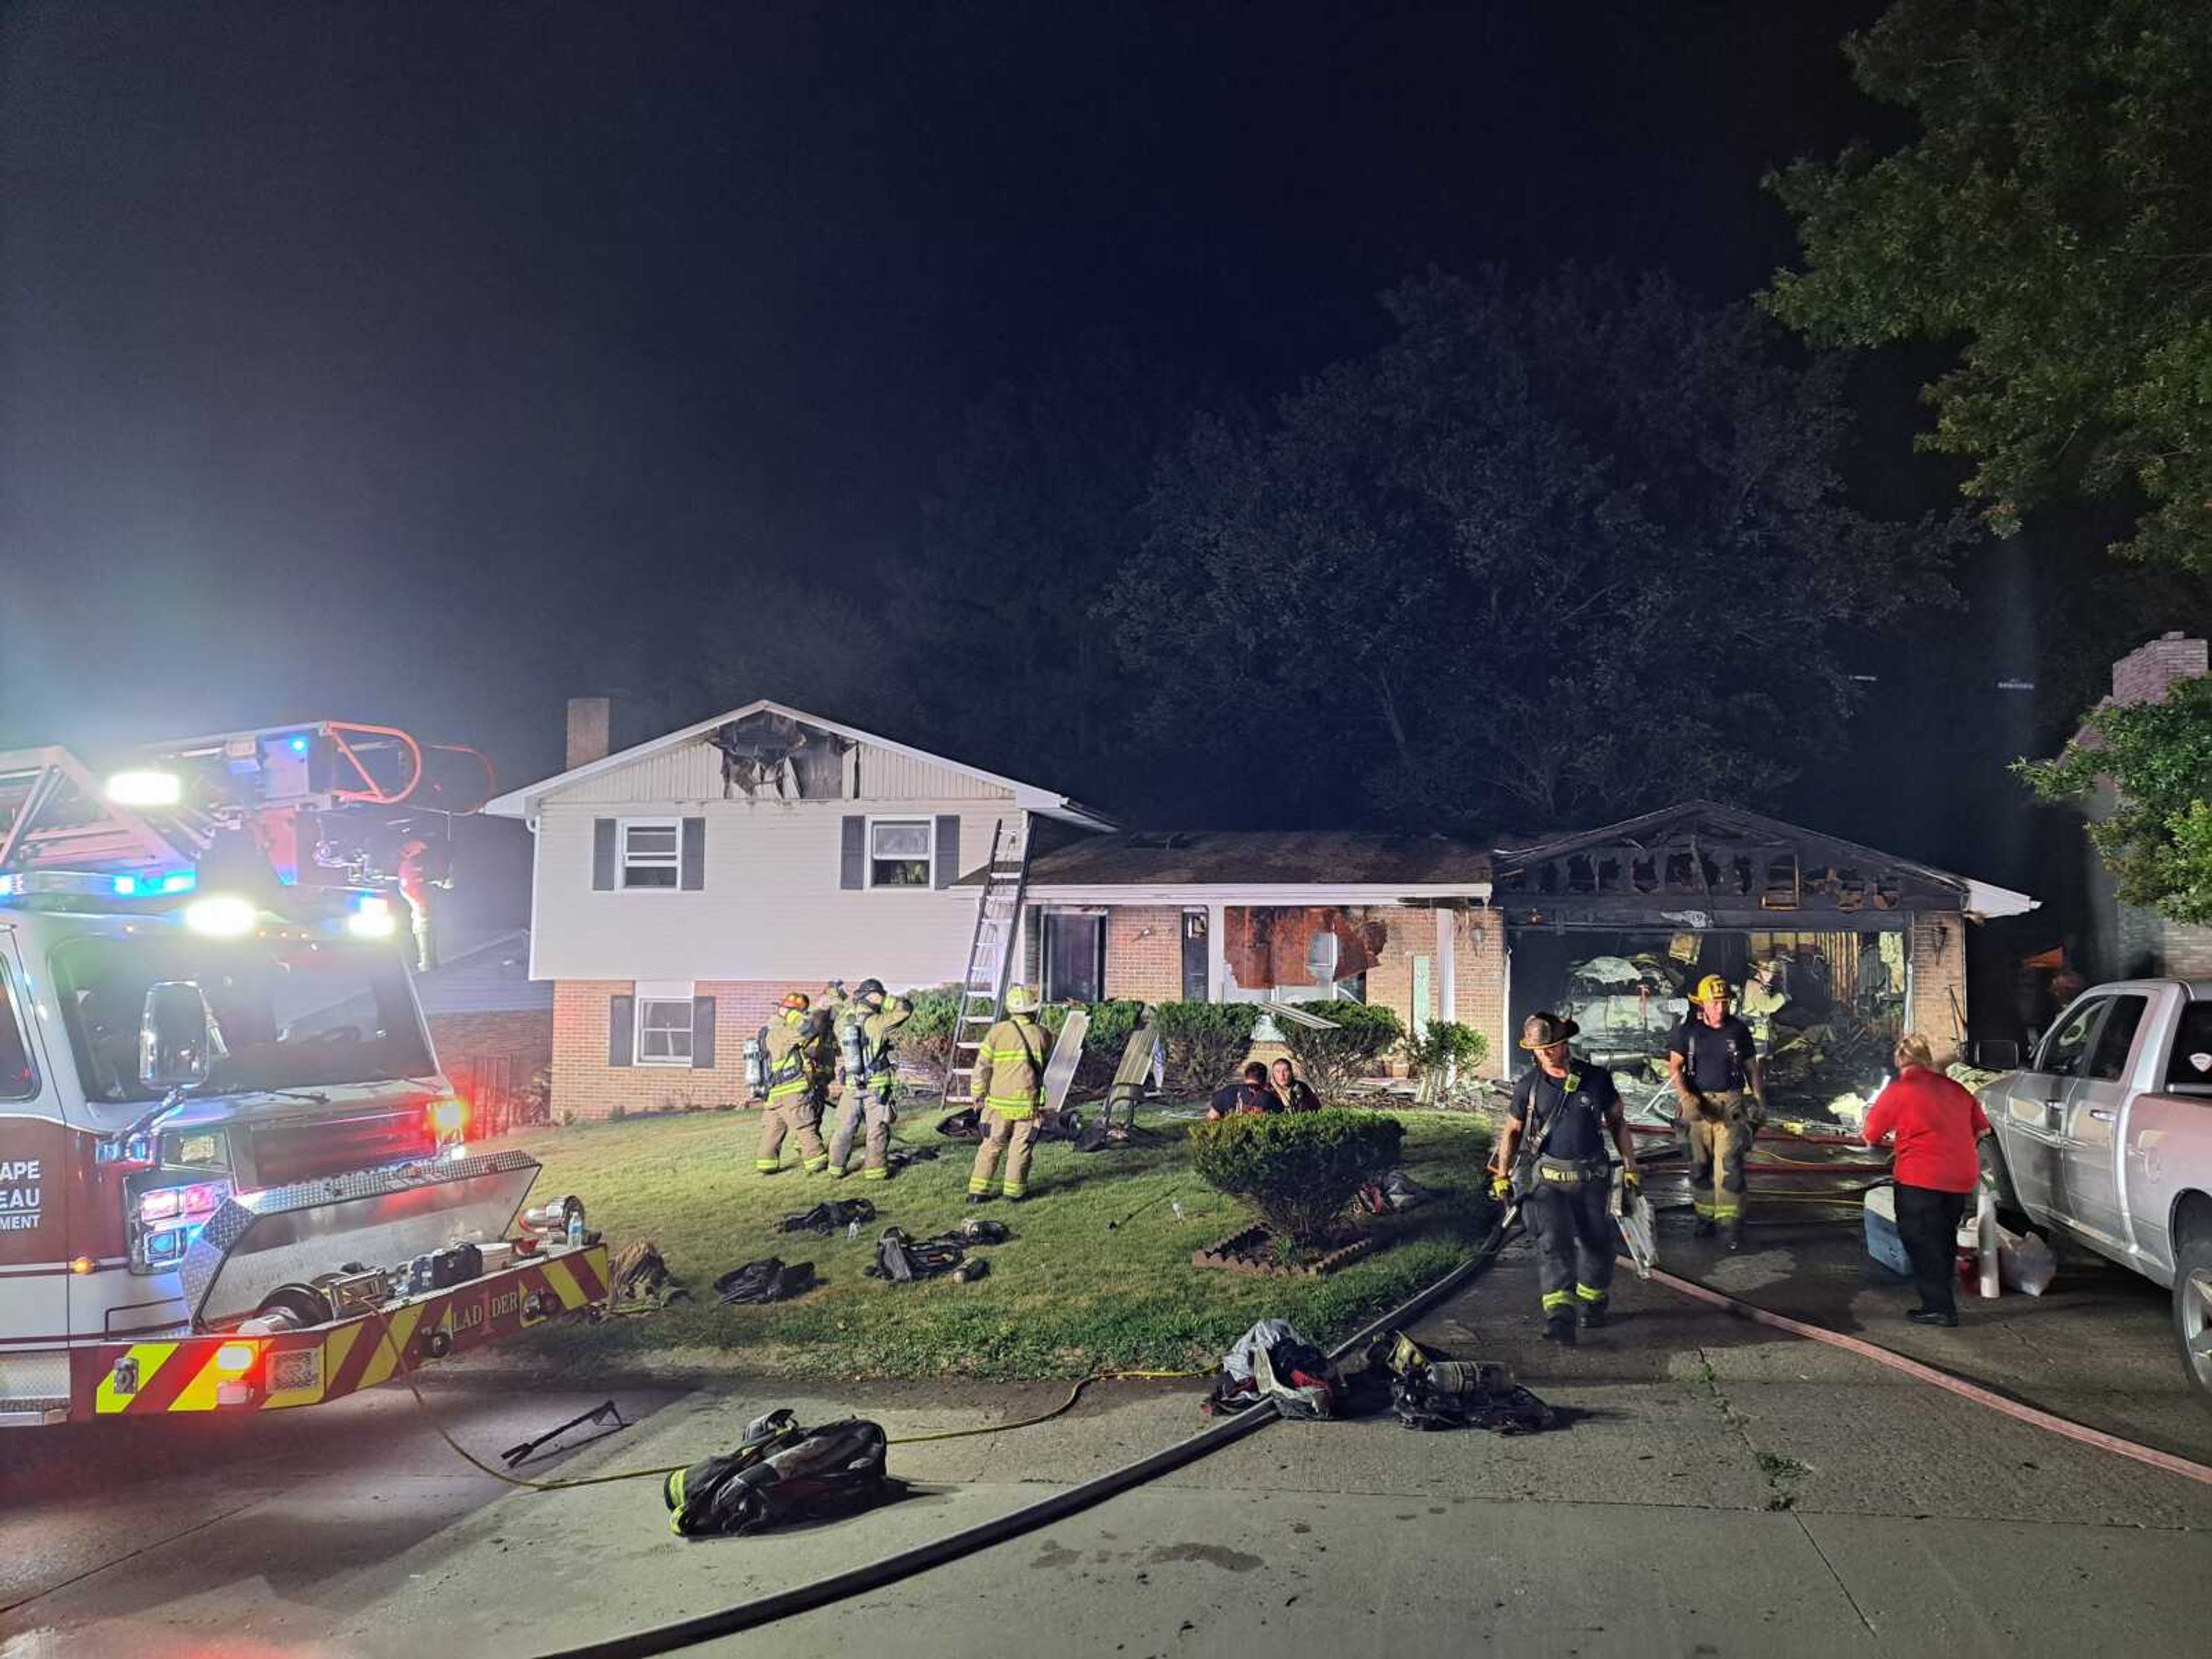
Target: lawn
{"points": [[1066, 1295]]}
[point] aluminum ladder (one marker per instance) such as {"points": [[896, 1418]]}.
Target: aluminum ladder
{"points": [[990, 954]]}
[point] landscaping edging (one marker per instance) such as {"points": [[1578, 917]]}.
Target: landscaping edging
{"points": [[1252, 1250]]}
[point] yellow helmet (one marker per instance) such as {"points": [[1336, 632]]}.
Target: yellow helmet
{"points": [[1021, 1000], [1711, 985]]}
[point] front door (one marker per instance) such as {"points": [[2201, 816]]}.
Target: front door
{"points": [[1197, 956], [2095, 1107], [1074, 957]]}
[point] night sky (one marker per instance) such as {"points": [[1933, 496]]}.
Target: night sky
{"points": [[388, 361]]}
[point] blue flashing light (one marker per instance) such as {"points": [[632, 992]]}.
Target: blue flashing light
{"points": [[165, 1246], [179, 881], [299, 745], [174, 881]]}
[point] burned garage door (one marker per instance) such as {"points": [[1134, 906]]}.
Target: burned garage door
{"points": [[1825, 1007]]}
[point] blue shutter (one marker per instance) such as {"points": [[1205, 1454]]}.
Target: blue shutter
{"points": [[703, 1034], [692, 861], [622, 1030], [603, 856], [852, 869], [948, 849]]}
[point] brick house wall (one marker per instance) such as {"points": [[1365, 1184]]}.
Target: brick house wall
{"points": [[586, 1088], [1936, 948], [1144, 953], [1478, 986], [525, 1038]]}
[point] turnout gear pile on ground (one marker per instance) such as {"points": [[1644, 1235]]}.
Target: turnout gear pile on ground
{"points": [[790, 1052], [639, 1274], [868, 1059], [1009, 1080], [828, 1218], [1429, 1389], [767, 1281], [1396, 1191], [781, 1473], [1274, 1361], [902, 1260]]}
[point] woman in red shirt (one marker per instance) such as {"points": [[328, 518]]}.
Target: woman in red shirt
{"points": [[1936, 1126]]}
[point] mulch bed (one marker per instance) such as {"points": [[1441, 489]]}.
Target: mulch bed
{"points": [[1253, 1251]]}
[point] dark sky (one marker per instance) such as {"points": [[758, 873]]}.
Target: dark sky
{"points": [[386, 360]]}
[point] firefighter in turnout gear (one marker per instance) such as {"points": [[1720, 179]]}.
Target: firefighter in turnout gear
{"points": [[1715, 1064], [1563, 1112], [795, 1080], [863, 1043], [1008, 1085]]}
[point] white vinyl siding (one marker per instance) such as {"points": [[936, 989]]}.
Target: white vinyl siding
{"points": [[770, 908], [649, 853], [902, 853]]}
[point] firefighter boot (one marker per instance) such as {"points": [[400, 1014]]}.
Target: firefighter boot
{"points": [[1560, 1328]]}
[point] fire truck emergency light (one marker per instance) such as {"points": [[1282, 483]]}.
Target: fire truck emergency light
{"points": [[145, 788], [220, 916], [372, 918]]}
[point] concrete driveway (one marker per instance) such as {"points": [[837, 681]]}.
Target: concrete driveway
{"points": [[1722, 1490]]}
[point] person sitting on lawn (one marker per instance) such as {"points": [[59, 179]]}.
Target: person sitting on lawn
{"points": [[1296, 1094], [1247, 1098]]}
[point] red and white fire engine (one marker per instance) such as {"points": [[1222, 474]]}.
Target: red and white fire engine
{"points": [[232, 1177]]}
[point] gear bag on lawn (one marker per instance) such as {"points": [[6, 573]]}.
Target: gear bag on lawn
{"points": [[902, 1260], [828, 1218], [765, 1281], [781, 1473]]}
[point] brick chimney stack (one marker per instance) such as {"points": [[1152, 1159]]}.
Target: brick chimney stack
{"points": [[2146, 672], [591, 721]]}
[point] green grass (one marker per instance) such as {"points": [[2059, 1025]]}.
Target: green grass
{"points": [[1066, 1295]]}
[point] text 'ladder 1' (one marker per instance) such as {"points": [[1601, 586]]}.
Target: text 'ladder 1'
{"points": [[990, 954]]}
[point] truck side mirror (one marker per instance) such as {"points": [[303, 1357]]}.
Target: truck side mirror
{"points": [[177, 1041]]}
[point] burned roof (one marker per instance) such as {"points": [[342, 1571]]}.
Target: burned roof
{"points": [[1216, 858]]}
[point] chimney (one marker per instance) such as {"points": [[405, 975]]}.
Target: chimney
{"points": [[589, 722], [2146, 672]]}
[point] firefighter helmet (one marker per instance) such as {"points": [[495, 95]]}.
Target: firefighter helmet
{"points": [[795, 1002], [1712, 987], [867, 988], [1021, 1000]]}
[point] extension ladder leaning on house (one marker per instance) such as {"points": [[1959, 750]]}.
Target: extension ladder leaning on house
{"points": [[990, 954]]}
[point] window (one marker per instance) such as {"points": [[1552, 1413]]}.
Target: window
{"points": [[19, 1079], [2191, 1067], [899, 852], [2068, 1044], [2117, 1039], [651, 852], [1074, 955], [664, 1031]]}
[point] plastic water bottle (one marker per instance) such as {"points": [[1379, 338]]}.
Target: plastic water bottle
{"points": [[1176, 1203], [575, 1227], [852, 1230]]}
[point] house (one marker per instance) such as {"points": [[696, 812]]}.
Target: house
{"points": [[491, 1024], [681, 886]]}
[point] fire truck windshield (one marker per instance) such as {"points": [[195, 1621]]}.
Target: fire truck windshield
{"points": [[291, 1014]]}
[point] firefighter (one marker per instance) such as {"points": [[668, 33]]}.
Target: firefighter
{"points": [[1564, 1111], [1714, 1062], [422, 868], [870, 1073], [792, 1057], [1009, 1082]]}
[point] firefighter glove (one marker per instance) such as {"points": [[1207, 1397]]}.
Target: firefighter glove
{"points": [[1631, 1180], [1500, 1188]]}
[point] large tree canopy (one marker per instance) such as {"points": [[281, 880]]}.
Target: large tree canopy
{"points": [[2055, 218], [1545, 555]]}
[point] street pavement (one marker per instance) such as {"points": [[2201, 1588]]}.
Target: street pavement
{"points": [[1722, 1490]]}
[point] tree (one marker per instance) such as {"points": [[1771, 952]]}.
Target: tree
{"points": [[2056, 217], [1545, 555], [2157, 837]]}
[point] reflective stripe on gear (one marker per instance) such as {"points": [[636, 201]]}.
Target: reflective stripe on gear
{"points": [[1555, 1299], [979, 1187], [815, 1166], [1587, 1294], [767, 1165], [875, 1175]]}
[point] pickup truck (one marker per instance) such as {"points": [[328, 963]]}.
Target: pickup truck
{"points": [[2105, 1137]]}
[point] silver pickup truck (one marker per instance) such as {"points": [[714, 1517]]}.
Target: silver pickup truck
{"points": [[2105, 1136]]}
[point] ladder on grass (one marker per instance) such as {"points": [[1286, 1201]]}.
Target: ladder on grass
{"points": [[990, 954]]}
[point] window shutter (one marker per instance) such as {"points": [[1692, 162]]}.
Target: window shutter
{"points": [[703, 1034], [852, 871], [622, 1030], [603, 856], [693, 875], [948, 848]]}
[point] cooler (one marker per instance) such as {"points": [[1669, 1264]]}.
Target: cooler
{"points": [[1882, 1242]]}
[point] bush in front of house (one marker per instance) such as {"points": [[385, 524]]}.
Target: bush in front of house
{"points": [[1441, 1052], [1205, 1041], [1332, 1060], [1298, 1171], [925, 1042]]}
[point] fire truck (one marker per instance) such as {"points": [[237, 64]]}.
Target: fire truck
{"points": [[232, 1177]]}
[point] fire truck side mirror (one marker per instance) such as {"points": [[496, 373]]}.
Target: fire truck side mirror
{"points": [[176, 1040]]}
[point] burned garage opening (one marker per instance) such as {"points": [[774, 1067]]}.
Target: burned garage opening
{"points": [[1829, 950]]}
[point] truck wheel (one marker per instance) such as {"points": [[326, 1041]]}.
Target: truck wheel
{"points": [[2192, 1310]]}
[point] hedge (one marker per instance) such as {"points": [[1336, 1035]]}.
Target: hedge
{"points": [[1297, 1170]]}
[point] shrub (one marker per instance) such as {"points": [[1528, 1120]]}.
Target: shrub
{"points": [[925, 1042], [1445, 1050], [1205, 1041], [1332, 1060], [1296, 1170]]}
